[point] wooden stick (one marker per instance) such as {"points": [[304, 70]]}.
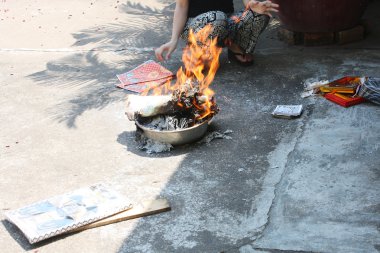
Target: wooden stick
{"points": [[145, 208]]}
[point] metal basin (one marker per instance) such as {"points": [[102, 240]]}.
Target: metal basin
{"points": [[176, 137]]}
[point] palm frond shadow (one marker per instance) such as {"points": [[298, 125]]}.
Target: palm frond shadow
{"points": [[94, 81], [138, 9], [114, 50], [136, 33]]}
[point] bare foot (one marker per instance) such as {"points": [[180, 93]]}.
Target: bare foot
{"points": [[240, 55], [236, 49]]}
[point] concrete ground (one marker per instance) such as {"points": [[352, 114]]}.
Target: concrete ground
{"points": [[306, 185]]}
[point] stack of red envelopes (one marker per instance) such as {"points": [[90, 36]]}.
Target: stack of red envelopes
{"points": [[146, 76]]}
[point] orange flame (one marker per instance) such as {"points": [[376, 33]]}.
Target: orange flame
{"points": [[201, 62]]}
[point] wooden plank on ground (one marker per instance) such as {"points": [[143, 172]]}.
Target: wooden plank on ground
{"points": [[142, 209]]}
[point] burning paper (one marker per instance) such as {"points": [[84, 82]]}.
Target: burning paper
{"points": [[189, 101], [178, 113]]}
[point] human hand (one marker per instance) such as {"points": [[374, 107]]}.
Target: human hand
{"points": [[264, 7], [167, 48]]}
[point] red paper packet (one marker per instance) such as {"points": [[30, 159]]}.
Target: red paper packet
{"points": [[144, 86], [147, 72]]}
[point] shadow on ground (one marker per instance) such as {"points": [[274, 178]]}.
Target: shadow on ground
{"points": [[115, 48], [19, 237], [215, 191]]}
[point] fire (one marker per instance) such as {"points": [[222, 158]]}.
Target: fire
{"points": [[201, 62], [202, 53]]}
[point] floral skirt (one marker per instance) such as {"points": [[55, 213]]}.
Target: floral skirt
{"points": [[242, 28]]}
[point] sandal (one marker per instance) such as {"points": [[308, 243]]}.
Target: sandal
{"points": [[232, 57]]}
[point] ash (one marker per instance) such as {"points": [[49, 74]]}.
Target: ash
{"points": [[216, 135], [151, 146], [168, 123]]}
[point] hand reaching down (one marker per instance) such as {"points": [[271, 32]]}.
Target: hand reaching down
{"points": [[164, 51], [264, 7]]}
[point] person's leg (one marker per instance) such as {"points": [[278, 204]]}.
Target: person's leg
{"points": [[217, 20], [245, 28]]}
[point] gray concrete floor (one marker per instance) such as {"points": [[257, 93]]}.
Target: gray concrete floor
{"points": [[304, 185]]}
